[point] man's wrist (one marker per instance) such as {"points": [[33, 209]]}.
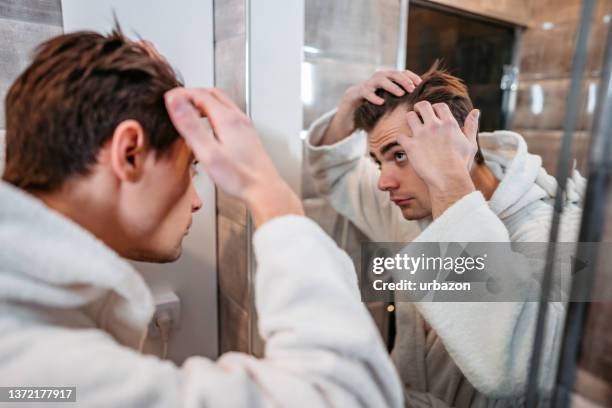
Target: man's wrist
{"points": [[341, 125], [270, 200], [448, 190]]}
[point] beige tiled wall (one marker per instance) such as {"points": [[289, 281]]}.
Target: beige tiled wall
{"points": [[232, 239], [546, 60]]}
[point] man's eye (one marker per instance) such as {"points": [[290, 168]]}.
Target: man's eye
{"points": [[400, 156]]}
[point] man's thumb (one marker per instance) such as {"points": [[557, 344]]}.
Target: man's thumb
{"points": [[470, 126]]}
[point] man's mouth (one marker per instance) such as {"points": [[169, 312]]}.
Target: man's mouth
{"points": [[400, 202]]}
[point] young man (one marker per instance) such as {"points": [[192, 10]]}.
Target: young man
{"points": [[96, 172], [428, 180]]}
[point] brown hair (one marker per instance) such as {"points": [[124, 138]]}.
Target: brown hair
{"points": [[68, 102], [437, 86]]}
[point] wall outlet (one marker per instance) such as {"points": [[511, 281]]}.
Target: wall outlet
{"points": [[165, 301]]}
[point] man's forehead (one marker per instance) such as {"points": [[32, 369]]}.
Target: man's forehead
{"points": [[382, 144], [387, 131]]}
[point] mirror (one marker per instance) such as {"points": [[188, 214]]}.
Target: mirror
{"points": [[519, 61]]}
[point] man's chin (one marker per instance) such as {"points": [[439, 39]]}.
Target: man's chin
{"points": [[412, 214], [157, 256]]}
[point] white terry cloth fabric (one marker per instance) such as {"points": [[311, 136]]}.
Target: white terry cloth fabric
{"points": [[73, 313], [458, 354]]}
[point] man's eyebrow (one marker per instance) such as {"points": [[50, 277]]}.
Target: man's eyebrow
{"points": [[388, 147]]}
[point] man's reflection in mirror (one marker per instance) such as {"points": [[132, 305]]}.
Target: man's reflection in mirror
{"points": [[429, 176]]}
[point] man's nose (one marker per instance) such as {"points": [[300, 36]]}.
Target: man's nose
{"points": [[387, 182], [197, 204]]}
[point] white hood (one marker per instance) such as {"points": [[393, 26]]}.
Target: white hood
{"points": [[523, 179], [49, 261]]}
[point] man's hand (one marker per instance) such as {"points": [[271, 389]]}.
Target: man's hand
{"points": [[342, 124], [231, 153], [441, 153]]}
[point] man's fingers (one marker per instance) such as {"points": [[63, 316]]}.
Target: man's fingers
{"points": [[372, 97], [187, 121], [426, 111], [203, 100], [403, 80], [413, 121], [470, 126], [407, 143], [213, 108], [389, 86], [223, 115], [443, 112], [414, 77]]}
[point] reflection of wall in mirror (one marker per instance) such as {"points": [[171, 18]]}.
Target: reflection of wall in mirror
{"points": [[345, 42], [545, 64]]}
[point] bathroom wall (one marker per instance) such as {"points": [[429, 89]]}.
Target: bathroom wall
{"points": [[233, 239], [23, 25], [546, 56], [514, 11]]}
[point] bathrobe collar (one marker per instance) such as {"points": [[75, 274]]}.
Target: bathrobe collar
{"points": [[523, 180]]}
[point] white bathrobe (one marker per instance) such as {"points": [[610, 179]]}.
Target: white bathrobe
{"points": [[73, 313], [458, 354]]}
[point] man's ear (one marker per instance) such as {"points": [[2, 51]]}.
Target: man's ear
{"points": [[128, 151]]}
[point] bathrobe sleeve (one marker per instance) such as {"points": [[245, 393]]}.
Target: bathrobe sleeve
{"points": [[348, 180], [322, 348], [490, 342]]}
